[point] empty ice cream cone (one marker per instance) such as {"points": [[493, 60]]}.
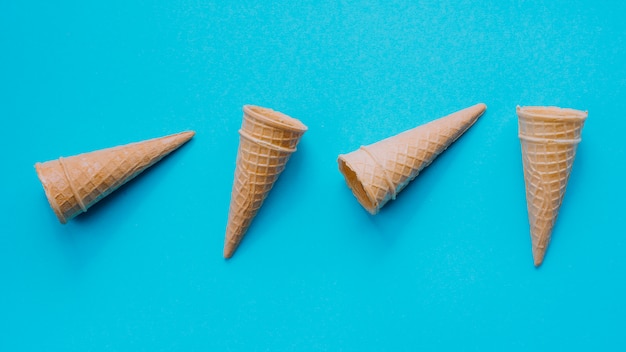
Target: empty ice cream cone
{"points": [[267, 139], [378, 172], [75, 183], [549, 138]]}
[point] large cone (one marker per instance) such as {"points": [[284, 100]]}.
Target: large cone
{"points": [[75, 183], [549, 137], [376, 173], [267, 139]]}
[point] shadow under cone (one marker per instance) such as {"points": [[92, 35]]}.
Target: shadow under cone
{"points": [[378, 172], [75, 183], [549, 137], [267, 139]]}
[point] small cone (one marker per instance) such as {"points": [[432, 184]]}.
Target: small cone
{"points": [[549, 137], [75, 183], [376, 173], [267, 139]]}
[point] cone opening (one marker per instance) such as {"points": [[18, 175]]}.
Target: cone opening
{"points": [[551, 113], [274, 118], [356, 186], [49, 194]]}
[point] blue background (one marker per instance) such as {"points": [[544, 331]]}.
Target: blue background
{"points": [[447, 265]]}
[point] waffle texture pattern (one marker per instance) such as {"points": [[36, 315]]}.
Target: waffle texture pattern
{"points": [[75, 183], [267, 139], [378, 172], [549, 138]]}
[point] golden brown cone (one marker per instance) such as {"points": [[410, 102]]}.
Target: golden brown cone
{"points": [[377, 172], [549, 137], [267, 139], [75, 183]]}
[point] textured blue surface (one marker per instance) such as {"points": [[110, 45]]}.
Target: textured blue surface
{"points": [[447, 265]]}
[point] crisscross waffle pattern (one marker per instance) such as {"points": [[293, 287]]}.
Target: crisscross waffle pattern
{"points": [[549, 141], [74, 184], [265, 146], [384, 168]]}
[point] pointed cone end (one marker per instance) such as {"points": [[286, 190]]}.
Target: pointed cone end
{"points": [[229, 250], [477, 110], [177, 139], [182, 137], [481, 106], [538, 254], [169, 143], [188, 134], [466, 116], [462, 119]]}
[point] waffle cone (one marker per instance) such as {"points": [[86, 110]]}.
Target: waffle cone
{"points": [[267, 139], [75, 183], [378, 172], [549, 137]]}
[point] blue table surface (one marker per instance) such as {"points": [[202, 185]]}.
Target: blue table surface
{"points": [[446, 266]]}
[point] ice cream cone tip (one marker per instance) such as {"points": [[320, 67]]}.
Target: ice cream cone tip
{"points": [[229, 250], [185, 136], [481, 106]]}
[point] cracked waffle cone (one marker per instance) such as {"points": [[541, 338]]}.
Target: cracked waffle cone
{"points": [[549, 137], [75, 183], [378, 172], [267, 139]]}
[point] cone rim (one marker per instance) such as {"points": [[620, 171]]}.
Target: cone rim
{"points": [[551, 113], [275, 118], [46, 188], [356, 186]]}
